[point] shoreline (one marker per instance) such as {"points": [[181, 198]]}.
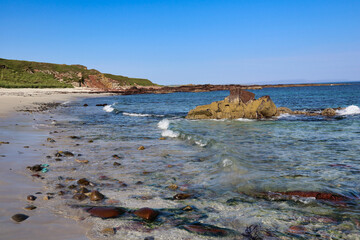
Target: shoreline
{"points": [[18, 99], [18, 119]]}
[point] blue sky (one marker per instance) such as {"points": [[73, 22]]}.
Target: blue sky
{"points": [[181, 42]]}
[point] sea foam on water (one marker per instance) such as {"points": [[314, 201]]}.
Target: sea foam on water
{"points": [[350, 110]]}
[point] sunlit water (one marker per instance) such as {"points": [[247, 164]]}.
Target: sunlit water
{"points": [[225, 164]]}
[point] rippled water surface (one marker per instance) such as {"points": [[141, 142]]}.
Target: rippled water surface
{"points": [[230, 167]]}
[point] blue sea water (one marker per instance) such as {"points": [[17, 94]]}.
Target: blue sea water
{"points": [[229, 164]]}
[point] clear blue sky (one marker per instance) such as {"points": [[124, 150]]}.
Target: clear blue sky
{"points": [[179, 42]]}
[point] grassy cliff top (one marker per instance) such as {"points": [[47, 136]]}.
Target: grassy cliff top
{"points": [[27, 74]]}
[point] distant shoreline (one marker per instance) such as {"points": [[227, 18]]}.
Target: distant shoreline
{"points": [[207, 88]]}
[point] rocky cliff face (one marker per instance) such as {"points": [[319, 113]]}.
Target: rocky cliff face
{"points": [[240, 104]]}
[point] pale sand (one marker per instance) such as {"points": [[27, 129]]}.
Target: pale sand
{"points": [[12, 100], [17, 128]]}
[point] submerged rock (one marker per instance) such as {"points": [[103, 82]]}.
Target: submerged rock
{"points": [[19, 217], [141, 148], [83, 181], [206, 230], [147, 213], [240, 104], [30, 207]]}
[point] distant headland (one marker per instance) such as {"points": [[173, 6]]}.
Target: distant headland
{"points": [[27, 74]]}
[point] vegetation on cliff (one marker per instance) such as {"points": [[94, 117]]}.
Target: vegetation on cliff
{"points": [[26, 74]]}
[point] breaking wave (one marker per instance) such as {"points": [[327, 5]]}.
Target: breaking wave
{"points": [[350, 110], [164, 125], [108, 108], [141, 115]]}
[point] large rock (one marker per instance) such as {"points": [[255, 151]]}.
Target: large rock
{"points": [[234, 107]]}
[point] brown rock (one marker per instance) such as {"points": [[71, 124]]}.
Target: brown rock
{"points": [[30, 207], [82, 161], [83, 181], [80, 196], [173, 186], [297, 229], [116, 164], [181, 196], [238, 95], [106, 212], [141, 148], [329, 112], [19, 217], [282, 110], [162, 138], [31, 198], [96, 196], [147, 213]]}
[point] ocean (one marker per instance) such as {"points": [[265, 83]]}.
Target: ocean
{"points": [[250, 177]]}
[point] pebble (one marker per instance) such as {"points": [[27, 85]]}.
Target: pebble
{"points": [[147, 213], [173, 186], [85, 105], [82, 161], [96, 196], [31, 198], [106, 212], [83, 181], [19, 217], [181, 196], [80, 196], [116, 156], [187, 208], [36, 168], [162, 138], [30, 207], [47, 197], [117, 164], [58, 159], [59, 185], [141, 148], [50, 140]]}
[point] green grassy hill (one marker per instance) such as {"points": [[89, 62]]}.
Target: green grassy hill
{"points": [[26, 74]]}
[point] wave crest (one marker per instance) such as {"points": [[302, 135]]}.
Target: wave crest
{"points": [[350, 110], [108, 108]]}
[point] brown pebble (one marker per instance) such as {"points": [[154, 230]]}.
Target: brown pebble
{"points": [[47, 197], [187, 208], [162, 138], [81, 161], [117, 164], [147, 213], [31, 198], [173, 186], [181, 196], [80, 196], [29, 207], [96, 196], [141, 148], [19, 217], [106, 212], [83, 181]]}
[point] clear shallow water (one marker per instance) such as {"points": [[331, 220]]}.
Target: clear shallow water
{"points": [[226, 165]]}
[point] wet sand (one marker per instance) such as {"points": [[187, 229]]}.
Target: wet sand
{"points": [[24, 149]]}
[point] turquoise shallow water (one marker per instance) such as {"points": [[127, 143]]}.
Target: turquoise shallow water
{"points": [[231, 165]]}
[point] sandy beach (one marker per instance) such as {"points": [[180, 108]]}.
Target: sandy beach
{"points": [[12, 100], [24, 149]]}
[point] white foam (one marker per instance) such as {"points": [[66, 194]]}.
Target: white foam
{"points": [[136, 114], [201, 144], [108, 108], [350, 110], [245, 120], [164, 124], [227, 162], [170, 133]]}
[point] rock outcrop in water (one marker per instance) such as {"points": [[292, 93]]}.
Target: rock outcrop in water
{"points": [[240, 104]]}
